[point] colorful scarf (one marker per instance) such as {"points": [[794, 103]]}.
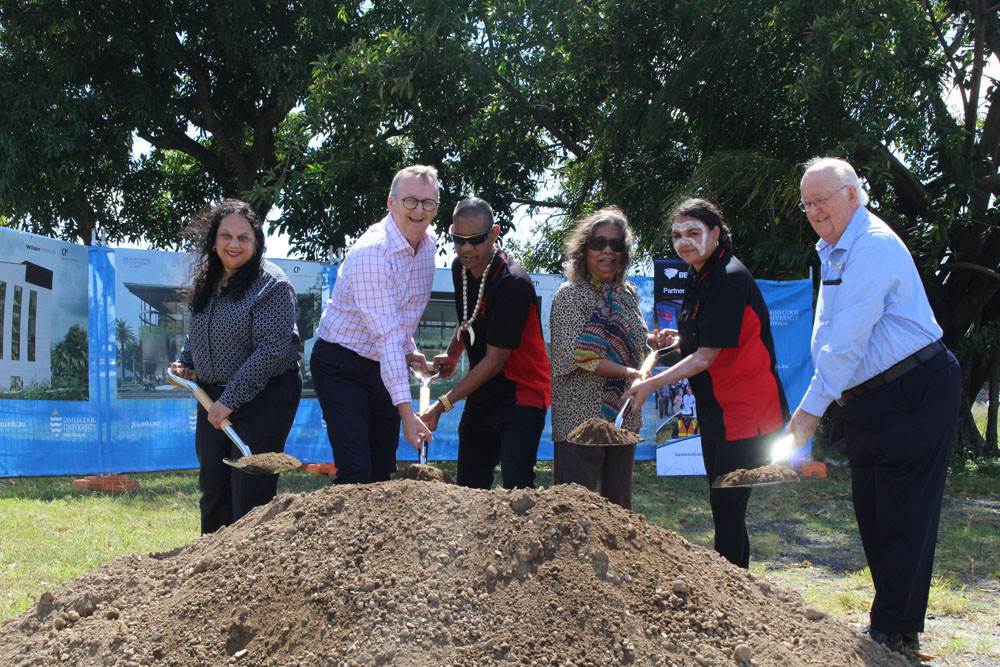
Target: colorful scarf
{"points": [[607, 336]]}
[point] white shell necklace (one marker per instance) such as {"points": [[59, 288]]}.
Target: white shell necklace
{"points": [[466, 323]]}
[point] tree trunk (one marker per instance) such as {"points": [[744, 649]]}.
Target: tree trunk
{"points": [[969, 443], [992, 404]]}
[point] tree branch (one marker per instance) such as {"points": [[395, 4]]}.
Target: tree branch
{"points": [[959, 77], [972, 109], [540, 203], [911, 191], [969, 266], [203, 100]]}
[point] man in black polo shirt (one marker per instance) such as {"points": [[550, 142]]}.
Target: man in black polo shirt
{"points": [[507, 387]]}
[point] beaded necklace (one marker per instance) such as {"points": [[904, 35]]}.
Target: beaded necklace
{"points": [[466, 323]]}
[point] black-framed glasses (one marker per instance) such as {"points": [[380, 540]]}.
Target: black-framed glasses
{"points": [[410, 203], [819, 201], [599, 243], [474, 239]]}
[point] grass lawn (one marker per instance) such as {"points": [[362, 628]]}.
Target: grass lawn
{"points": [[803, 537]]}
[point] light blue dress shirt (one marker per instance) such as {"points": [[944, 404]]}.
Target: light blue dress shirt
{"points": [[872, 310]]}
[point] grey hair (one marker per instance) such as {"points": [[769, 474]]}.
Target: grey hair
{"points": [[843, 170], [423, 171], [575, 265]]}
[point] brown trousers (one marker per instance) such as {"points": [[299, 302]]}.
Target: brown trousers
{"points": [[607, 467]]}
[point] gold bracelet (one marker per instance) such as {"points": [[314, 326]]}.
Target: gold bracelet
{"points": [[443, 400]]}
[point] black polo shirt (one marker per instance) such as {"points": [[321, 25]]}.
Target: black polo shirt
{"points": [[508, 319], [739, 395]]}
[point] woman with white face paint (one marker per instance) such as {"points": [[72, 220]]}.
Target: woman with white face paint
{"points": [[728, 357]]}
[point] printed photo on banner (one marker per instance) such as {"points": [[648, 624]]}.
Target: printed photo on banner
{"points": [[43, 319], [152, 318]]}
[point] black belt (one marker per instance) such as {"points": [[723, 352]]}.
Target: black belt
{"points": [[892, 373]]}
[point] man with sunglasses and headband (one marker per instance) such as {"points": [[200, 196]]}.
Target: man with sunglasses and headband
{"points": [[365, 337], [507, 386]]}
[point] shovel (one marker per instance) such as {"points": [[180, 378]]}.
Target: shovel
{"points": [[780, 450], [647, 366], [227, 427]]}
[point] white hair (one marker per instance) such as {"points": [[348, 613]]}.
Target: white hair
{"points": [[843, 170], [425, 172]]}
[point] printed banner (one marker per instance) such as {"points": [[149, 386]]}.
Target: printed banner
{"points": [[678, 443], [88, 333]]}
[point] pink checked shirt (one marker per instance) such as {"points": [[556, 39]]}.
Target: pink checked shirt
{"points": [[380, 293]]}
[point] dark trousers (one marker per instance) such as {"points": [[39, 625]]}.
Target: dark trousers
{"points": [[899, 440], [729, 506], [600, 466], [489, 434], [263, 424], [361, 421]]}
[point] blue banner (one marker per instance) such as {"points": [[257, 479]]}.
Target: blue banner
{"points": [[87, 334]]}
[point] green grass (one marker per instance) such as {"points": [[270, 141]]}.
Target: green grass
{"points": [[803, 536]]}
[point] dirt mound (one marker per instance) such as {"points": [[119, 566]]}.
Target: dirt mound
{"points": [[423, 573], [596, 431], [769, 474]]}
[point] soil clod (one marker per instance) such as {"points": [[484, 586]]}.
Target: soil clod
{"points": [[423, 473], [597, 431], [764, 475], [273, 461]]}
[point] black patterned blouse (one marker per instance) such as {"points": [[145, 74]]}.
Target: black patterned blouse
{"points": [[243, 343]]}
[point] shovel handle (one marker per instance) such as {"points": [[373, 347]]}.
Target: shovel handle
{"points": [[206, 403]]}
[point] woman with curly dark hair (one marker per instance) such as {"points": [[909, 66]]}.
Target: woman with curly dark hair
{"points": [[242, 347], [728, 356]]}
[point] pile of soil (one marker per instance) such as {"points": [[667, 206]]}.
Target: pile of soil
{"points": [[596, 431], [423, 573], [423, 473], [274, 461], [762, 475]]}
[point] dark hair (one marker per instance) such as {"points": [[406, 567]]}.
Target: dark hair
{"points": [[474, 206], [706, 211], [575, 266], [208, 269]]}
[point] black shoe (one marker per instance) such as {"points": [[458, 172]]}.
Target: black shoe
{"points": [[892, 641], [911, 644]]}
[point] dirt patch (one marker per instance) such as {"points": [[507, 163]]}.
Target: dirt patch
{"points": [[596, 431], [417, 573], [764, 475], [423, 473], [275, 461]]}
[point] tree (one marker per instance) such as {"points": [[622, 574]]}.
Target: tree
{"points": [[209, 86], [126, 339]]}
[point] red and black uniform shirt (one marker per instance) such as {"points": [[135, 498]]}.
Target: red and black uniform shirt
{"points": [[508, 319], [740, 395]]}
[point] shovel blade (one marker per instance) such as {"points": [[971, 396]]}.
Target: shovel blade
{"points": [[249, 469]]}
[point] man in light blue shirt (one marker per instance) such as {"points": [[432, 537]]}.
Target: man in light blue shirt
{"points": [[878, 353]]}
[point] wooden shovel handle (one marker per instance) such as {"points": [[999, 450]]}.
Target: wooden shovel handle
{"points": [[206, 403]]}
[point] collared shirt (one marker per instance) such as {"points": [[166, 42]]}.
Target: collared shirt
{"points": [[872, 310], [740, 395], [244, 342], [507, 319], [381, 291]]}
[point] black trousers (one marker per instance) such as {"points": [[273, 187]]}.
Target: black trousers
{"points": [[263, 425], [729, 506], [488, 434], [596, 466], [899, 440], [361, 421]]}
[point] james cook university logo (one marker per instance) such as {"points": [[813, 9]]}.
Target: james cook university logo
{"points": [[55, 423]]}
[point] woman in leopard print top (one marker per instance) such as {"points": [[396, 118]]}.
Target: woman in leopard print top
{"points": [[242, 348], [597, 342]]}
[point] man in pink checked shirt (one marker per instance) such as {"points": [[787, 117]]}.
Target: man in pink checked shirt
{"points": [[365, 338]]}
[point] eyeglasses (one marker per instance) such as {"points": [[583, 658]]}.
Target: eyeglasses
{"points": [[410, 203], [599, 243], [819, 201], [475, 239]]}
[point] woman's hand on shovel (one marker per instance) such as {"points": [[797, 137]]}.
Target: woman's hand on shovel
{"points": [[217, 413], [182, 371], [639, 391]]}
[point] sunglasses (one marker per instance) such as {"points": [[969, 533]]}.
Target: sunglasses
{"points": [[475, 239], [599, 243]]}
